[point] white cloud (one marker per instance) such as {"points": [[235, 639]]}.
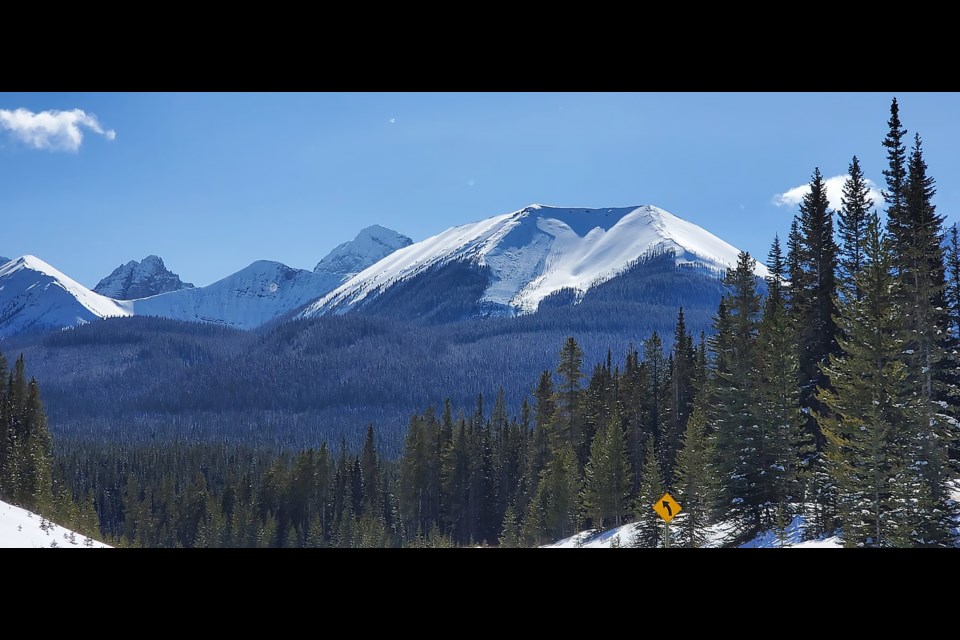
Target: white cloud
{"points": [[53, 130], [792, 197]]}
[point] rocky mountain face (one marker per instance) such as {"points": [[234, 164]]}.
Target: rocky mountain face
{"points": [[149, 277]]}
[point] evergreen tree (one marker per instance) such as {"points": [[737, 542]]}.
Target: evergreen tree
{"points": [[649, 526], [371, 482], [510, 533], [931, 366], [896, 179], [871, 412], [607, 476], [953, 286], [852, 222], [814, 296], [694, 483], [782, 445], [569, 393], [681, 393], [777, 265], [556, 501], [741, 490]]}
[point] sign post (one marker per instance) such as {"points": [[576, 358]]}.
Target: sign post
{"points": [[667, 508]]}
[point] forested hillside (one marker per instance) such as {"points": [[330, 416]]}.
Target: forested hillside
{"points": [[298, 383]]}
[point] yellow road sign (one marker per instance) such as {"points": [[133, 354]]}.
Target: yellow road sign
{"points": [[666, 507]]}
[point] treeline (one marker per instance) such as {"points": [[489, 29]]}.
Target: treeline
{"points": [[291, 385]]}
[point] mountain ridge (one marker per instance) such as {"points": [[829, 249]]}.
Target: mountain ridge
{"points": [[148, 277], [538, 251]]}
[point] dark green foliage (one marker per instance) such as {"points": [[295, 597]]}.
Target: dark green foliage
{"points": [[606, 486], [852, 224], [813, 293], [25, 443], [896, 179], [871, 413], [735, 396], [695, 482], [649, 529]]}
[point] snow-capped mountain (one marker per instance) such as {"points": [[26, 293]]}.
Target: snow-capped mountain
{"points": [[4, 260], [266, 290], [371, 244], [244, 300], [538, 251], [149, 277], [35, 296]]}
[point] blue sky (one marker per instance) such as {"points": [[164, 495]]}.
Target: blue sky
{"points": [[212, 182]]}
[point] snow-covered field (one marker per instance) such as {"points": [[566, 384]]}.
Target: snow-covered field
{"points": [[21, 529], [717, 536]]}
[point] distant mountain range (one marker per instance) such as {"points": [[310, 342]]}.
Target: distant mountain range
{"points": [[507, 265]]}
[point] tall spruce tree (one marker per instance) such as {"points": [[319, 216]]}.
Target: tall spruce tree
{"points": [[871, 413], [735, 395], [694, 481], [814, 294], [852, 223], [953, 282], [931, 366], [680, 395], [649, 527], [896, 179], [606, 486], [569, 395], [782, 441]]}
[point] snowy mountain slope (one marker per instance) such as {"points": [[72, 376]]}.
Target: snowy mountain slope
{"points": [[538, 251], [244, 300], [266, 290], [3, 260], [149, 277], [371, 245], [35, 296], [21, 529]]}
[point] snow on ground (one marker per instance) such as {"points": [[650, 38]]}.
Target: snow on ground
{"points": [[717, 536], [21, 529]]}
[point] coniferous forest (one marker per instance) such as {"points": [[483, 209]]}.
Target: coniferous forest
{"points": [[828, 391]]}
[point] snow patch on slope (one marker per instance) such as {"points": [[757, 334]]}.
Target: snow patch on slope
{"points": [[539, 250], [22, 529]]}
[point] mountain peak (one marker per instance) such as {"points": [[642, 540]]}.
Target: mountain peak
{"points": [[541, 250], [371, 245], [143, 279], [36, 296]]}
